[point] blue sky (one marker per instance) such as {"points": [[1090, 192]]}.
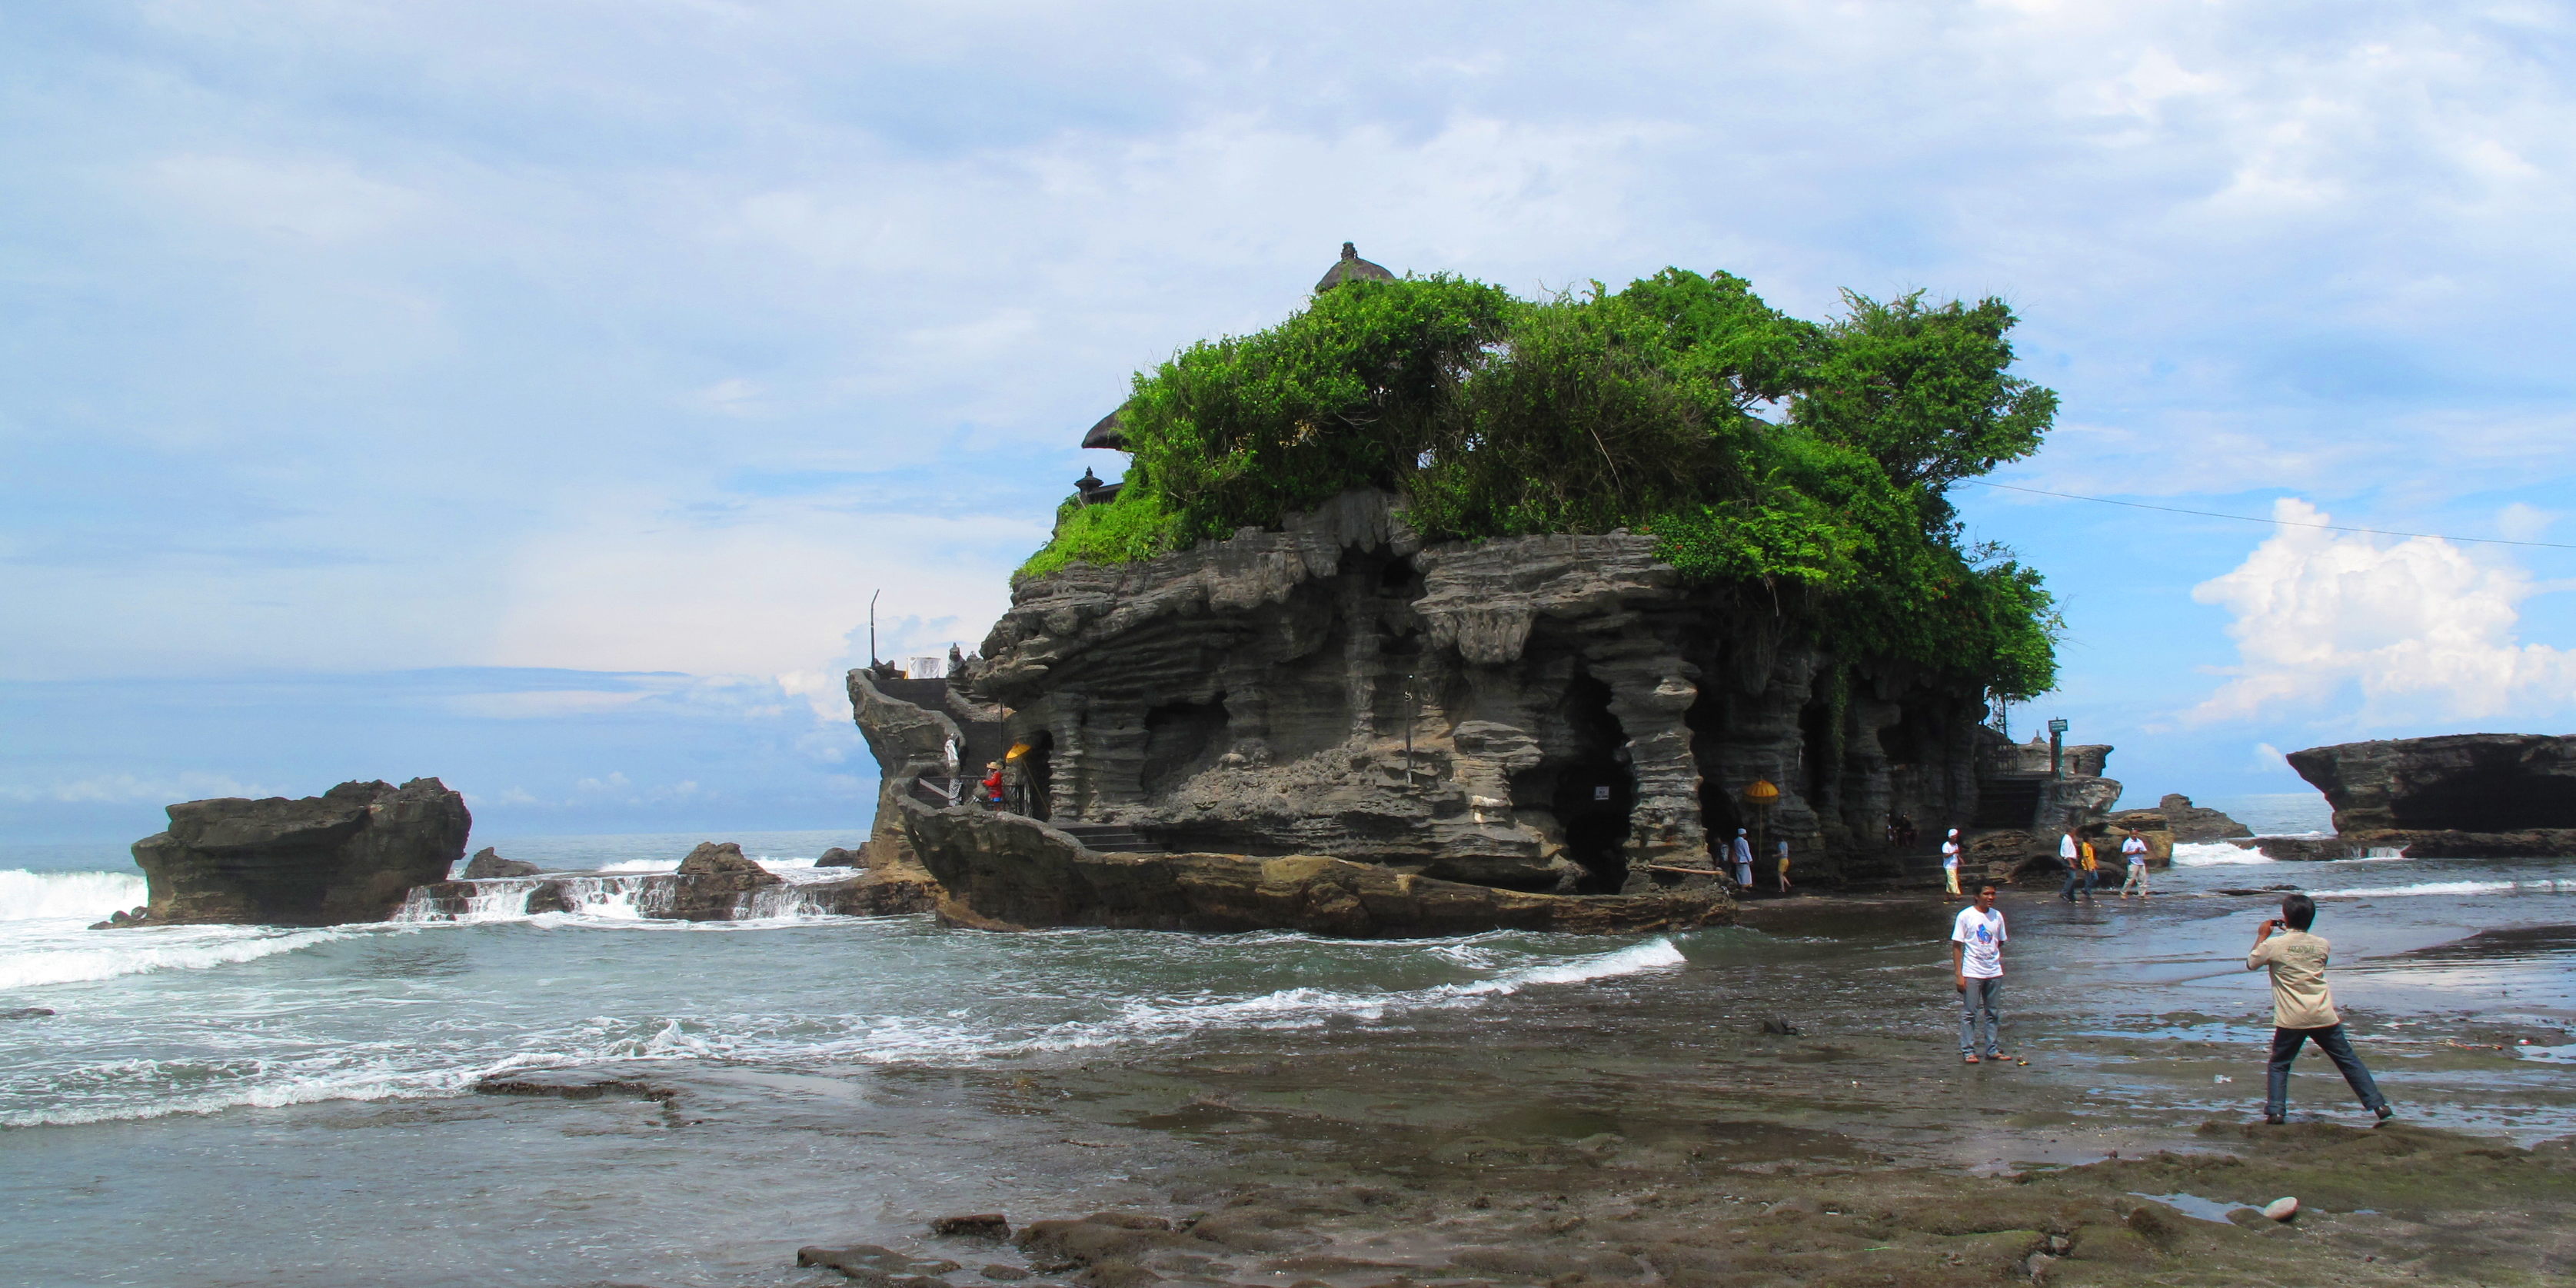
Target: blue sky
{"points": [[533, 394]]}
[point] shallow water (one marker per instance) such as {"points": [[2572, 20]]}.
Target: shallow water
{"points": [[227, 1104]]}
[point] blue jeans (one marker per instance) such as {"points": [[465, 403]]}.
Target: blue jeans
{"points": [[2285, 1048], [1977, 1001], [2074, 882]]}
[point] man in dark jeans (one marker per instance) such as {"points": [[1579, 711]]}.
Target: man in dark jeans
{"points": [[2303, 1008]]}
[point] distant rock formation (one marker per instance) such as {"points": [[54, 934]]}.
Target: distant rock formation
{"points": [[2176, 821], [486, 864], [836, 857], [2471, 795], [348, 855]]}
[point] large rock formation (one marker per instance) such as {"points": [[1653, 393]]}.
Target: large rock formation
{"points": [[350, 854], [2470, 795], [1544, 715]]}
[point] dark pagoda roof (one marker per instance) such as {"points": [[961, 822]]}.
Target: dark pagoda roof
{"points": [[1352, 269], [1108, 433]]}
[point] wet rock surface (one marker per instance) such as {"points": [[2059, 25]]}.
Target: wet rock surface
{"points": [[712, 881], [348, 855], [486, 864]]}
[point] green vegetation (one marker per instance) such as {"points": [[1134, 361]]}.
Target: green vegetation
{"points": [[1495, 416]]}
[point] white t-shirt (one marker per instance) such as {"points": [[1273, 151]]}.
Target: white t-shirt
{"points": [[2066, 846], [1949, 854], [1983, 933], [2136, 849]]}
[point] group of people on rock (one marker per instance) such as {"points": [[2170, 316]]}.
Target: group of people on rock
{"points": [[2076, 855]]}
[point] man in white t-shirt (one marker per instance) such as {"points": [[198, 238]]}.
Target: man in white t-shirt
{"points": [[2135, 851], [1977, 959], [1950, 861]]}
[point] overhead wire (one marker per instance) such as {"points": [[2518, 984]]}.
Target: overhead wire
{"points": [[2287, 523]]}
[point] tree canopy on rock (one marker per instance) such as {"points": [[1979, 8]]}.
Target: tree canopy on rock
{"points": [[1638, 409]]}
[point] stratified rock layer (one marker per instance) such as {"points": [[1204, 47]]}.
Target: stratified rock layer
{"points": [[350, 854], [1004, 872]]}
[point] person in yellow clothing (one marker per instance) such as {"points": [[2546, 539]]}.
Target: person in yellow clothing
{"points": [[2303, 1008], [2092, 868]]}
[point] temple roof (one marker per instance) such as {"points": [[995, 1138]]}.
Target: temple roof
{"points": [[1108, 433], [1352, 268]]}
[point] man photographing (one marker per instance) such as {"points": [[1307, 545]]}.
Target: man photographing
{"points": [[2303, 1008]]}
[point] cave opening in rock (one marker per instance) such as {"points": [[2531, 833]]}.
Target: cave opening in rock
{"points": [[1706, 720], [1180, 738], [1591, 787], [2488, 798]]}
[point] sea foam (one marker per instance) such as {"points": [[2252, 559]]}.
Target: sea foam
{"points": [[89, 896]]}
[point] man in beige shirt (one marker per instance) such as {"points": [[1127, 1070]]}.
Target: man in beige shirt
{"points": [[2303, 1008]]}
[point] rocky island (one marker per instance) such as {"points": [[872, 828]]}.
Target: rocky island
{"points": [[2468, 795], [1431, 609]]}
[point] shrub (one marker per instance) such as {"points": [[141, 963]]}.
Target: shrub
{"points": [[1495, 416]]}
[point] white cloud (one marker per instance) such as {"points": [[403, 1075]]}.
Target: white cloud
{"points": [[131, 789], [2421, 629]]}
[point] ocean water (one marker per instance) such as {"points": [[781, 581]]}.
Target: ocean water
{"points": [[219, 1105]]}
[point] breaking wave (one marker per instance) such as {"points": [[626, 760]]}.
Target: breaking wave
{"points": [[42, 896]]}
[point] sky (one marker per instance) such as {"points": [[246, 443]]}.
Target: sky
{"points": [[536, 394]]}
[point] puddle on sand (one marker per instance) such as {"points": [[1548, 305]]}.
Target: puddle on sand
{"points": [[2193, 1205]]}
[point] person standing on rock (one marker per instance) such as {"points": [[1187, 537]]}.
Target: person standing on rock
{"points": [[1977, 959], [2134, 850], [993, 784], [2071, 859], [1784, 865], [1950, 861], [1743, 849], [2303, 1009]]}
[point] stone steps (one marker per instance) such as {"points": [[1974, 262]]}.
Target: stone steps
{"points": [[1110, 838]]}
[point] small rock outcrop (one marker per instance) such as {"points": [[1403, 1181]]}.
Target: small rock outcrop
{"points": [[2471, 795], [485, 865], [348, 855], [836, 857], [713, 879]]}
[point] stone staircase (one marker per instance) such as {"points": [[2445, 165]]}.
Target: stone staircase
{"points": [[1109, 838]]}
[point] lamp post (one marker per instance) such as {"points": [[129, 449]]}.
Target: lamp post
{"points": [[1760, 795]]}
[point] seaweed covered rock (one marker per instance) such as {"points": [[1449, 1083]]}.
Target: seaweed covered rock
{"points": [[350, 854]]}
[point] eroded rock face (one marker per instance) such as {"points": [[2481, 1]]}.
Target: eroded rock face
{"points": [[1003, 872], [348, 855], [2468, 783], [2187, 822], [1542, 714]]}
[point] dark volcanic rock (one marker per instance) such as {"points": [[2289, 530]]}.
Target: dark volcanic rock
{"points": [[878, 1267], [1541, 715], [2466, 782], [836, 857], [977, 1225], [1002, 872], [2189, 823], [712, 881], [347, 855], [485, 865], [26, 1013]]}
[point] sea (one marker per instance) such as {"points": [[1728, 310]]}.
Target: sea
{"points": [[261, 1105]]}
